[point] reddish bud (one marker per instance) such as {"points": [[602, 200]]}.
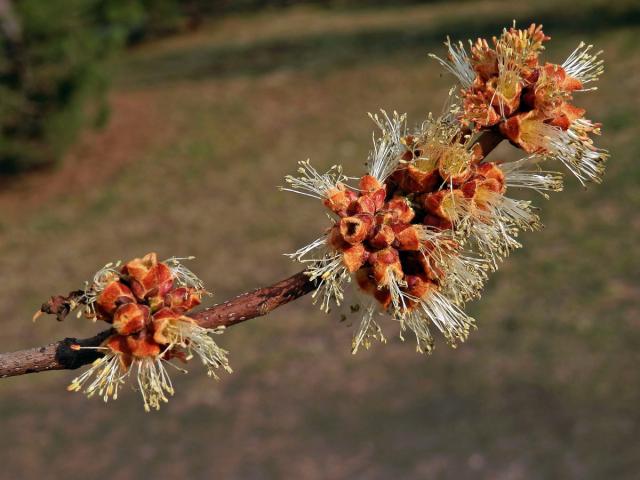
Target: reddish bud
{"points": [[354, 257], [382, 236], [400, 209], [156, 282], [130, 318], [355, 229], [418, 286], [369, 184], [182, 299], [142, 345], [385, 263], [407, 238], [339, 199], [115, 294], [364, 204]]}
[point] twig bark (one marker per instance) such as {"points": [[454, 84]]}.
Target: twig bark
{"points": [[64, 355]]}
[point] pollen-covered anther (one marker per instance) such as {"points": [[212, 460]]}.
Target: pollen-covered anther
{"points": [[130, 318]]}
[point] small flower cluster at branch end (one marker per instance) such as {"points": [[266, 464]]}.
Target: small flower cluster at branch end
{"points": [[146, 302]]}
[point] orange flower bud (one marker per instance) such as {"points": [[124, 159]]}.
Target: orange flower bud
{"points": [[115, 294], [130, 318], [369, 184], [364, 204], [160, 320], [490, 170], [385, 263], [148, 277], [379, 196], [400, 209], [445, 204], [382, 236], [139, 267], [354, 257], [182, 299], [407, 238], [418, 286], [142, 345], [339, 199], [355, 229]]}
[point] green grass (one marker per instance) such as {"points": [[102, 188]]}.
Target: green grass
{"points": [[204, 128]]}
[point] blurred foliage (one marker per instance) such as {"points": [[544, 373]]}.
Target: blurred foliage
{"points": [[51, 79], [52, 76]]}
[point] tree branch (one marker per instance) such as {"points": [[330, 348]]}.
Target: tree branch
{"points": [[64, 355]]}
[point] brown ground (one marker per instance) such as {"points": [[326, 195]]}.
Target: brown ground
{"points": [[203, 129]]}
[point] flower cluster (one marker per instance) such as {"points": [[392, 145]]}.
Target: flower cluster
{"points": [[146, 302], [431, 217], [506, 86]]}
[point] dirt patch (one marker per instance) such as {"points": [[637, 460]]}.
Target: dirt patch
{"points": [[135, 126]]}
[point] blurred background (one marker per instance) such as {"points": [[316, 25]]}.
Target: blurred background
{"points": [[166, 125]]}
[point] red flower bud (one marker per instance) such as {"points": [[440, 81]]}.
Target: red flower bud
{"points": [[382, 236], [115, 294], [182, 299], [407, 238], [369, 184], [355, 229], [354, 257], [142, 345], [130, 318], [339, 199], [400, 209], [160, 321], [148, 277]]}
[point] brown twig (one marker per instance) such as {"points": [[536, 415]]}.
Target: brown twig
{"points": [[64, 355]]}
